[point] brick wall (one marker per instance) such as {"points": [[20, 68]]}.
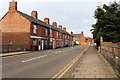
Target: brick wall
{"points": [[16, 28]]}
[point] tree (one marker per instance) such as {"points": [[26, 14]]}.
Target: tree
{"points": [[108, 23]]}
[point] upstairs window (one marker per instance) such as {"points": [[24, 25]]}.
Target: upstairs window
{"points": [[57, 34], [46, 32], [65, 36], [50, 33], [34, 29]]}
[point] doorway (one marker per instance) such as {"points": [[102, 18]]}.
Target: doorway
{"points": [[39, 46], [42, 44]]}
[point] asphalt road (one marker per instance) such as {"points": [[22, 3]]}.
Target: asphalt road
{"points": [[42, 64]]}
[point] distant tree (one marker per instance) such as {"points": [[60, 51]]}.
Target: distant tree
{"points": [[108, 23]]}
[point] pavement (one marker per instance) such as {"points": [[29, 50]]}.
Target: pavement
{"points": [[91, 65], [71, 62], [14, 53], [40, 64]]}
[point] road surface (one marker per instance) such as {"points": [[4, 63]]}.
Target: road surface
{"points": [[42, 64]]}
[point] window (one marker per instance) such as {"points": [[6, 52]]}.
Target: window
{"points": [[34, 29], [46, 42], [65, 36], [10, 42], [50, 33], [34, 41], [86, 40], [57, 34], [68, 37], [46, 32]]}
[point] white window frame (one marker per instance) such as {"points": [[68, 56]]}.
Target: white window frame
{"points": [[65, 36], [46, 32], [50, 33], [57, 34], [34, 29]]}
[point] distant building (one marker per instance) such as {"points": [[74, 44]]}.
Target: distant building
{"points": [[80, 39]]}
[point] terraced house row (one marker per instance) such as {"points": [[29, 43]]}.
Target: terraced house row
{"points": [[22, 30]]}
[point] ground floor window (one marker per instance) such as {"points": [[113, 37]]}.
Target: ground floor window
{"points": [[11, 42], [34, 42]]}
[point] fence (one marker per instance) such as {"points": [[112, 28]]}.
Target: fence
{"points": [[12, 48], [112, 53]]}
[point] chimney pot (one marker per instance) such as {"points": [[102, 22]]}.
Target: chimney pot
{"points": [[81, 33], [34, 14], [71, 32], [54, 24], [46, 20], [64, 28], [60, 26], [12, 6]]}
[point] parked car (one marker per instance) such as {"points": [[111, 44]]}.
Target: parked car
{"points": [[92, 44]]}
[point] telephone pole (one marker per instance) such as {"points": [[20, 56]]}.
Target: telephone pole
{"points": [[100, 3]]}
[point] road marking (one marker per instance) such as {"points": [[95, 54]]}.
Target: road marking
{"points": [[34, 58], [58, 52], [67, 67]]}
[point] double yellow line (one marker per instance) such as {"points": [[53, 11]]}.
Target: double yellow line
{"points": [[67, 67]]}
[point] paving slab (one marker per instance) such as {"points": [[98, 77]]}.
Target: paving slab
{"points": [[93, 65]]}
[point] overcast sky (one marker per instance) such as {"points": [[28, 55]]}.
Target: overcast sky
{"points": [[75, 15]]}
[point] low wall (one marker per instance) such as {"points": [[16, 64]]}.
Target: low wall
{"points": [[111, 51]]}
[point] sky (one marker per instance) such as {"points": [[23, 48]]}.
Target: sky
{"points": [[75, 15]]}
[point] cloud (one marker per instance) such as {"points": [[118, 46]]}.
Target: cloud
{"points": [[86, 21], [88, 35]]}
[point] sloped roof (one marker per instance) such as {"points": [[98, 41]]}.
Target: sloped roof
{"points": [[88, 38], [77, 35], [39, 22]]}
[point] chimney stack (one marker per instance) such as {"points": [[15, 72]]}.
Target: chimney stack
{"points": [[71, 32], [54, 24], [34, 14], [46, 20], [81, 33], [12, 6], [60, 26], [64, 28]]}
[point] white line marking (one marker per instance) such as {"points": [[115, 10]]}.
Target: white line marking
{"points": [[34, 58]]}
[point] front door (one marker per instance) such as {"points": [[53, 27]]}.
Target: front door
{"points": [[39, 45], [42, 44]]}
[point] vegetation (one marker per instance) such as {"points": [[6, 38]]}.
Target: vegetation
{"points": [[108, 23]]}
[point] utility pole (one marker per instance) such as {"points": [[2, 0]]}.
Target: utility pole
{"points": [[100, 3]]}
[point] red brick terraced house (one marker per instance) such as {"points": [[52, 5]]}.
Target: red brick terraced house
{"points": [[80, 39], [20, 30]]}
